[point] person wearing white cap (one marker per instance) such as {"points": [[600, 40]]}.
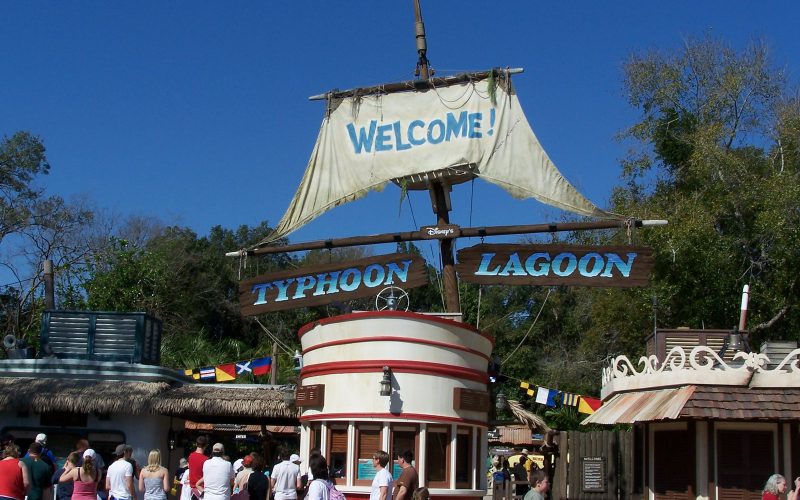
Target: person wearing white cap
{"points": [[46, 455], [217, 480], [84, 478], [285, 478]]}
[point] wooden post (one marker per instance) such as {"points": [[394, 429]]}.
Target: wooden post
{"points": [[441, 208], [49, 288], [273, 371]]}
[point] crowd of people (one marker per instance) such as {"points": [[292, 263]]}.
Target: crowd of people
{"points": [[85, 476]]}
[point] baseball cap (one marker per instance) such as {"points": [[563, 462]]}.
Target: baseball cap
{"points": [[89, 453], [294, 458], [41, 438], [183, 463], [119, 450], [218, 447]]}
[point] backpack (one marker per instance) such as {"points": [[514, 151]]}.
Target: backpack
{"points": [[333, 493]]}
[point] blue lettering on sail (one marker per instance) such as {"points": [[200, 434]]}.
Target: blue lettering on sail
{"points": [[402, 136]]}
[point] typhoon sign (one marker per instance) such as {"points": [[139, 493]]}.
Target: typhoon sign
{"points": [[507, 264], [336, 282]]}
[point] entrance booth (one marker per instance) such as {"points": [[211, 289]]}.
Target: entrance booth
{"points": [[395, 381]]}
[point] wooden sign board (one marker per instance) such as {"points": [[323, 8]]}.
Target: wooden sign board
{"points": [[593, 474], [440, 232], [469, 399], [328, 283], [308, 396], [510, 264]]}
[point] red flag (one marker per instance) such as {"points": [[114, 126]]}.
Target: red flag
{"points": [[261, 366]]}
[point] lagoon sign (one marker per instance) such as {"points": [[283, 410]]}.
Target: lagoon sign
{"points": [[507, 264], [334, 282]]}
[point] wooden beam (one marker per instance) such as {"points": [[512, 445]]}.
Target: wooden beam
{"points": [[468, 232]]}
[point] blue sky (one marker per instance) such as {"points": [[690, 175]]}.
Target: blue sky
{"points": [[197, 112]]}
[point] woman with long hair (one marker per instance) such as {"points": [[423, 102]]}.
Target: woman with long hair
{"points": [[318, 488], [84, 478], [154, 479]]}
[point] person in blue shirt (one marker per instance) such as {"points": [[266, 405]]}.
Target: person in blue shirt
{"points": [[46, 456]]}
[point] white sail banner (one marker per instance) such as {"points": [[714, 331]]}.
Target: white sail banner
{"points": [[367, 141]]}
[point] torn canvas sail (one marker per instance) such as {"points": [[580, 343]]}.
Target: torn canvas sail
{"points": [[367, 140]]}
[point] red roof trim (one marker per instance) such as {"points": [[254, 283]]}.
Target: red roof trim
{"points": [[389, 338], [391, 314], [405, 416], [377, 365]]}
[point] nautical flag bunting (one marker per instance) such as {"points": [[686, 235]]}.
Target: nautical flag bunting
{"points": [[195, 374], [243, 367], [545, 396], [589, 405], [225, 373], [207, 373], [261, 366], [568, 399], [527, 388]]}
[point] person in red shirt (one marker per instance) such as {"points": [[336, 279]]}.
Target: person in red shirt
{"points": [[14, 480], [776, 487], [196, 460]]}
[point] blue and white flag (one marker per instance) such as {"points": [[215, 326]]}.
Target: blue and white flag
{"points": [[243, 367], [546, 396], [208, 373]]}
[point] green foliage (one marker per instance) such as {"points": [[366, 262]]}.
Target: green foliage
{"points": [[717, 156]]}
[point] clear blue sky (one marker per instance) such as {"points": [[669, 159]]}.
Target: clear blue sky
{"points": [[197, 112]]}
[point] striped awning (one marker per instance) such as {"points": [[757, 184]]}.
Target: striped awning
{"points": [[644, 406]]}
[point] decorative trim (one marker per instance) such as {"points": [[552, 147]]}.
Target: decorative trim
{"points": [[389, 338], [702, 366], [392, 314], [388, 417], [421, 367]]}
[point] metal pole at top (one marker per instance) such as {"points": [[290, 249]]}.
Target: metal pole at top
{"points": [[439, 192], [422, 71]]}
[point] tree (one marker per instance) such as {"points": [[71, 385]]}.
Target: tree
{"points": [[34, 228], [717, 155]]}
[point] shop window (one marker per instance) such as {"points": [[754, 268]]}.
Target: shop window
{"points": [[744, 460], [63, 419], [337, 451], [403, 437], [464, 458], [315, 437], [437, 457], [368, 441], [673, 463]]}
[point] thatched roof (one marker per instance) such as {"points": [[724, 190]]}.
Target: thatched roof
{"points": [[250, 402], [80, 396], [534, 422]]}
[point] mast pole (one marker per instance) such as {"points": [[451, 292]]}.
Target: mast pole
{"points": [[440, 195]]}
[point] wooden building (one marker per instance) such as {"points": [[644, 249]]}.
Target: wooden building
{"points": [[99, 379], [708, 422]]}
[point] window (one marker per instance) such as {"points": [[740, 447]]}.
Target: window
{"points": [[437, 456], [464, 458], [337, 451], [63, 419], [744, 459], [368, 441], [403, 437], [315, 437], [673, 463]]}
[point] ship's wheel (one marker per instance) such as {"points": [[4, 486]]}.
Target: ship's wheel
{"points": [[392, 298]]}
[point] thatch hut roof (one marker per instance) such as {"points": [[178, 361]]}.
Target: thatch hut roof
{"points": [[240, 402], [80, 396]]}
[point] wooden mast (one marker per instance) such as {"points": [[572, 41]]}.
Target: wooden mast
{"points": [[440, 194]]}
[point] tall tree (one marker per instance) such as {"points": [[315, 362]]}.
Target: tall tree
{"points": [[717, 155]]}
